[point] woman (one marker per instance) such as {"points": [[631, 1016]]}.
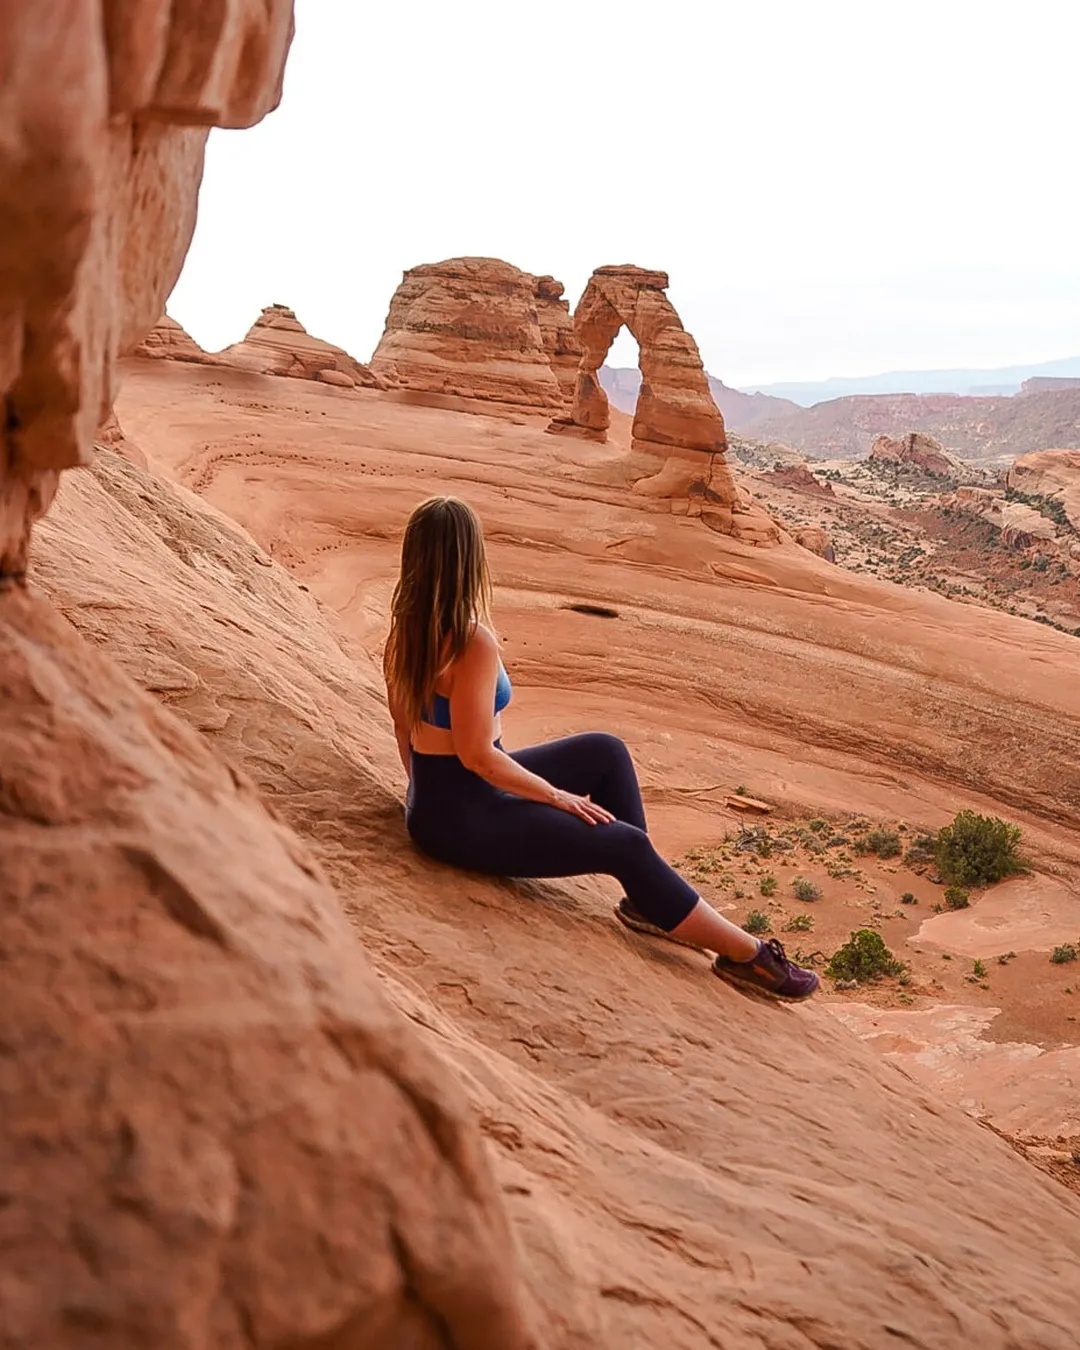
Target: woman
{"points": [[572, 806]]}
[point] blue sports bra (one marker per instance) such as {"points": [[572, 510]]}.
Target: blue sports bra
{"points": [[438, 715]]}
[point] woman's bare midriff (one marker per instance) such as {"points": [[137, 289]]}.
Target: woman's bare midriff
{"points": [[429, 740]]}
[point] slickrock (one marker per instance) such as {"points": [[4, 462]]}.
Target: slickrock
{"points": [[277, 343], [1053, 475], [170, 341], [678, 441], [917, 450], [1021, 525], [469, 328]]}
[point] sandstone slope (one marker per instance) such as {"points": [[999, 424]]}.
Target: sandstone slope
{"points": [[170, 341], [1054, 477], [652, 1206]]}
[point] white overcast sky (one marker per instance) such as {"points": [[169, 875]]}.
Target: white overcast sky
{"points": [[835, 188]]}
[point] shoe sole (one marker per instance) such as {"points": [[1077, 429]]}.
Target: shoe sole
{"points": [[759, 990], [647, 929]]}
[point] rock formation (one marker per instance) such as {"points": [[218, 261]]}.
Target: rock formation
{"points": [[169, 341], [798, 478], [560, 338], [214, 1131], [469, 328], [678, 440], [102, 132], [1053, 476], [816, 540], [277, 343], [915, 450], [1021, 526]]}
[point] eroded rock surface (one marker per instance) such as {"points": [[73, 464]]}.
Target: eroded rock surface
{"points": [[916, 450], [469, 328], [214, 1130], [560, 337], [170, 341], [102, 130], [1054, 477], [277, 343], [678, 440]]}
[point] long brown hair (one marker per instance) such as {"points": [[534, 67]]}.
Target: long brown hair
{"points": [[444, 589]]}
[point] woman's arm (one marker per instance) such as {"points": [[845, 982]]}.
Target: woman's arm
{"points": [[472, 718]]}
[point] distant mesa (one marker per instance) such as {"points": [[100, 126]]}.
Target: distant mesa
{"points": [[1050, 384], [678, 439], [916, 450], [740, 411], [277, 343], [478, 329], [798, 478]]}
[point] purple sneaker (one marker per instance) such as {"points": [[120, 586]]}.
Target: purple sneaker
{"points": [[770, 972]]}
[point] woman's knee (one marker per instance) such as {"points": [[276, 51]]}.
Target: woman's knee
{"points": [[604, 746]]}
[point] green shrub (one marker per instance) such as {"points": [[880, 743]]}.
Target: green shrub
{"points": [[978, 850], [880, 840], [799, 923], [757, 922], [1066, 952], [921, 850], [805, 890], [863, 957], [908, 899], [978, 969], [956, 897], [818, 825], [767, 885]]}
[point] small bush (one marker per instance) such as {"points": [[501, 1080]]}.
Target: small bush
{"points": [[1066, 952], [978, 850], [863, 957], [799, 923], [757, 922], [880, 840], [818, 825], [921, 850], [767, 885], [908, 899], [977, 968], [1005, 958], [956, 897], [805, 890]]}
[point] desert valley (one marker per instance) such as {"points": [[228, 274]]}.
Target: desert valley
{"points": [[270, 1077]]}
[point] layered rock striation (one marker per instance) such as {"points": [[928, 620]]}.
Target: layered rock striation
{"points": [[560, 337], [469, 328], [170, 341], [277, 343]]}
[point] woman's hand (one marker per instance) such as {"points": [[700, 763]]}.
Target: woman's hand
{"points": [[581, 806]]}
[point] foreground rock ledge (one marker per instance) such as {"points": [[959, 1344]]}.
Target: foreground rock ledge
{"points": [[215, 1131]]}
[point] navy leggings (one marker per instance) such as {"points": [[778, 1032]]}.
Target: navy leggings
{"points": [[455, 816]]}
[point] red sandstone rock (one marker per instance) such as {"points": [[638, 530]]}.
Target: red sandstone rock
{"points": [[102, 128], [918, 450], [169, 341], [214, 1130], [798, 478], [111, 435], [1052, 474], [560, 338], [678, 439], [277, 343], [469, 328], [815, 539]]}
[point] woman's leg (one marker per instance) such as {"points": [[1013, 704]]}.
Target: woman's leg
{"points": [[592, 764]]}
